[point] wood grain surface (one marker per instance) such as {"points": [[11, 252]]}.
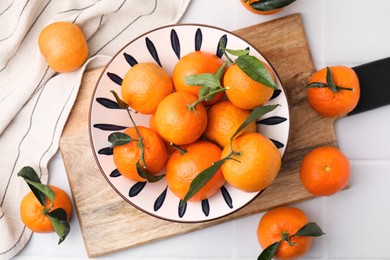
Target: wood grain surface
{"points": [[108, 223]]}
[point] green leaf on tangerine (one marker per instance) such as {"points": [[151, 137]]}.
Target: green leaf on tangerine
{"points": [[199, 181], [60, 224], [122, 104], [147, 175], [119, 138], [255, 69], [310, 229], [41, 191], [269, 252], [256, 113], [268, 5], [205, 80], [237, 52], [329, 80], [316, 85]]}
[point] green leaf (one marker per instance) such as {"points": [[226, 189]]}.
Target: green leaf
{"points": [[40, 190], [199, 181], [122, 104], [221, 70], [268, 5], [310, 229], [329, 80], [269, 252], [145, 174], [207, 80], [237, 52], [316, 85], [256, 113], [256, 70], [60, 224], [119, 138]]}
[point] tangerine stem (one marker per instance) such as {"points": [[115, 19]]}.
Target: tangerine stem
{"points": [[192, 106], [178, 148], [140, 141]]}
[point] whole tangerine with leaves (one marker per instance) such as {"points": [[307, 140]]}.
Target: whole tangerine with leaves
{"points": [[34, 214], [176, 122], [185, 164], [127, 156], [255, 164], [63, 45], [333, 91], [223, 119], [325, 171], [194, 63], [245, 92], [280, 225], [144, 86], [247, 5]]}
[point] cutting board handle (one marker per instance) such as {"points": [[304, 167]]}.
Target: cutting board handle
{"points": [[374, 78]]}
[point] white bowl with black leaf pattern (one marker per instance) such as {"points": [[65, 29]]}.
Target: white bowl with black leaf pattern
{"points": [[165, 46]]}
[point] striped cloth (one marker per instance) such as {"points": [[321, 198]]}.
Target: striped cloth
{"points": [[35, 101]]}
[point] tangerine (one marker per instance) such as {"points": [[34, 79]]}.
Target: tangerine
{"points": [[33, 213], [223, 119], [325, 171], [196, 62], [245, 92], [126, 156], [64, 46], [337, 101], [247, 4], [144, 86], [176, 122], [257, 162], [283, 222], [183, 167]]}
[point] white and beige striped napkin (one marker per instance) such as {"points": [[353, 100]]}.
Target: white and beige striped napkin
{"points": [[35, 101]]}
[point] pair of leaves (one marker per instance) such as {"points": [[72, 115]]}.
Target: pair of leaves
{"points": [[42, 192], [329, 83], [268, 5], [310, 229], [203, 177]]}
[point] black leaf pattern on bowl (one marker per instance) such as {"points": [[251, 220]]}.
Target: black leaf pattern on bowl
{"points": [[198, 39], [160, 200], [273, 120], [115, 173], [108, 103], [130, 59], [106, 151], [182, 209], [109, 127], [226, 196], [206, 207], [277, 143], [222, 40], [152, 50], [275, 94], [175, 43], [136, 188], [115, 78]]}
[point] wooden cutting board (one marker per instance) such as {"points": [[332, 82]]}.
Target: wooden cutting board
{"points": [[108, 223]]}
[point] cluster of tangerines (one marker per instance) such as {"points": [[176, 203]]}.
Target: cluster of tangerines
{"points": [[202, 127]]}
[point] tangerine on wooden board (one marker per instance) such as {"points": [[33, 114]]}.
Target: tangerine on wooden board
{"points": [[144, 86], [284, 221], [196, 62], [176, 123], [256, 165], [183, 167], [243, 91], [223, 119], [247, 5], [32, 212], [64, 46], [337, 101], [127, 155], [325, 171]]}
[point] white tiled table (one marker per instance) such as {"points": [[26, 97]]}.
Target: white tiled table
{"points": [[356, 221]]}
